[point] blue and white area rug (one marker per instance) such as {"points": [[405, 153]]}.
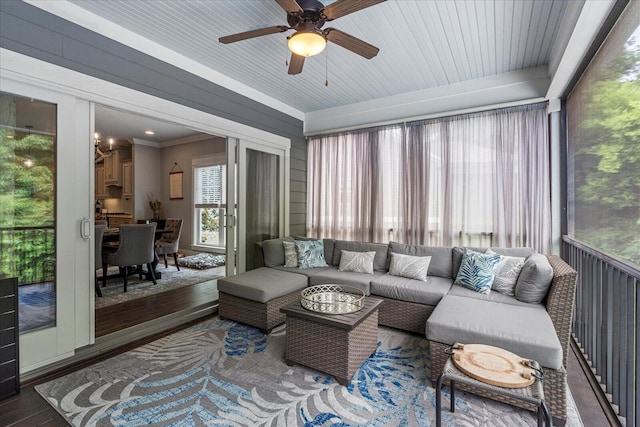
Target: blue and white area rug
{"points": [[226, 374]]}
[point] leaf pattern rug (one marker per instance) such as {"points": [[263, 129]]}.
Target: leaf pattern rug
{"points": [[222, 373]]}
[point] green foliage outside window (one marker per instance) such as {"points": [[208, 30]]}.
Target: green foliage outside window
{"points": [[606, 145]]}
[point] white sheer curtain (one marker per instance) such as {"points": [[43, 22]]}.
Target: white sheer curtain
{"points": [[479, 179]]}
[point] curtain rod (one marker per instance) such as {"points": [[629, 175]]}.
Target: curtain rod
{"points": [[429, 116]]}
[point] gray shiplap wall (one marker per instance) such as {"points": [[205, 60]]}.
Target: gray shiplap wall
{"points": [[33, 32]]}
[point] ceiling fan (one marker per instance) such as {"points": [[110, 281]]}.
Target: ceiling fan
{"points": [[307, 17]]}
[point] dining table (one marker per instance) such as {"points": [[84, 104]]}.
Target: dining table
{"points": [[110, 242]]}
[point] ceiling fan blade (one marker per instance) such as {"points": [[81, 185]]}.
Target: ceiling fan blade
{"points": [[341, 8], [253, 33], [351, 43], [290, 6], [296, 63]]}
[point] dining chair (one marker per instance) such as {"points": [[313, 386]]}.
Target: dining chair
{"points": [[99, 233], [98, 222], [169, 242], [135, 248]]}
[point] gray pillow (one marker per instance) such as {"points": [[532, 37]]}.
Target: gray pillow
{"points": [[380, 260], [290, 254], [358, 262], [534, 280], [411, 267], [440, 264], [507, 272], [273, 252]]}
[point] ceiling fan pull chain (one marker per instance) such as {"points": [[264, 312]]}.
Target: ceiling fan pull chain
{"points": [[326, 66]]}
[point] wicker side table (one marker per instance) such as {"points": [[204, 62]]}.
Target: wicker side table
{"points": [[532, 394]]}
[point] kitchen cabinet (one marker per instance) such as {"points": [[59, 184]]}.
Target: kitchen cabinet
{"points": [[127, 179], [112, 169], [115, 221], [101, 188]]}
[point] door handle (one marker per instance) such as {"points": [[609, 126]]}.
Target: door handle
{"points": [[85, 228]]}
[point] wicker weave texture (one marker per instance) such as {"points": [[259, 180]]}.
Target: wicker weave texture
{"points": [[264, 316], [332, 350], [408, 316], [560, 301]]}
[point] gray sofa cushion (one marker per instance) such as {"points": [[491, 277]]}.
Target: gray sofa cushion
{"points": [[262, 284], [379, 261], [534, 279], [331, 275], [524, 330], [428, 292], [441, 257], [461, 291], [458, 252], [273, 252]]}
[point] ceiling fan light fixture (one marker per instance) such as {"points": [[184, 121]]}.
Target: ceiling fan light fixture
{"points": [[307, 44]]}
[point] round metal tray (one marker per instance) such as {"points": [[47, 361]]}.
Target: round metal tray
{"points": [[332, 299]]}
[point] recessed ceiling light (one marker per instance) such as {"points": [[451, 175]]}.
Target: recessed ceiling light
{"points": [[149, 132]]}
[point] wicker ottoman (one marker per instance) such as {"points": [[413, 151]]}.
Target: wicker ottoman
{"points": [[256, 296], [336, 344]]}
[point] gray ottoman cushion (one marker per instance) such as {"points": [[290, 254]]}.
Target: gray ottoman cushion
{"points": [[428, 292], [331, 275], [525, 331], [262, 284]]}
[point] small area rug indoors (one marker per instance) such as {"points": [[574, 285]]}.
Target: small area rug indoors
{"points": [[171, 279], [225, 373], [201, 261]]}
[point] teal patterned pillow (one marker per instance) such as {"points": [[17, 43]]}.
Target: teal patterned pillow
{"points": [[477, 271], [310, 253]]}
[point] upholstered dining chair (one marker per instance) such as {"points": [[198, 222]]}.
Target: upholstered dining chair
{"points": [[99, 233], [135, 248], [169, 242], [98, 222]]}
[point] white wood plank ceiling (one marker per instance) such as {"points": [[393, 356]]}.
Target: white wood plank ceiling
{"points": [[423, 43]]}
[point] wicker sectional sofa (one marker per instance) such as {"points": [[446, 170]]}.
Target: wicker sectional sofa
{"points": [[446, 312]]}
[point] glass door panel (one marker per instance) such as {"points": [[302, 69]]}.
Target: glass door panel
{"points": [[28, 130]]}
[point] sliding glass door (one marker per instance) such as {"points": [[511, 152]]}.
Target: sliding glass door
{"points": [[261, 198], [42, 207]]}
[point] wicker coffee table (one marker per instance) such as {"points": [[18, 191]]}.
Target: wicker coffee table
{"points": [[336, 344]]}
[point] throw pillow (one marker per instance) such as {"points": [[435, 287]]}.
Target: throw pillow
{"points": [[310, 253], [534, 280], [290, 254], [411, 267], [358, 262], [477, 271], [507, 272]]}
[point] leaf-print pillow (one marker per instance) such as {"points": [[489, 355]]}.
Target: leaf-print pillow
{"points": [[507, 272], [358, 262], [290, 254], [310, 253], [477, 271], [411, 267]]}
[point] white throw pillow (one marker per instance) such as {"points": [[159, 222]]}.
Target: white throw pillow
{"points": [[411, 267], [507, 272], [358, 262], [290, 254]]}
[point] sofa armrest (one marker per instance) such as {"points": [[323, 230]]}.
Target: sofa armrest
{"points": [[560, 301], [258, 255]]}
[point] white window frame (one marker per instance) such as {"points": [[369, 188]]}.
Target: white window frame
{"points": [[202, 162]]}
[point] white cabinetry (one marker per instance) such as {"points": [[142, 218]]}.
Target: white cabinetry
{"points": [[112, 169], [101, 189]]}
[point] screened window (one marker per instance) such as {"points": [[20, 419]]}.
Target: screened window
{"points": [[210, 203], [603, 117]]}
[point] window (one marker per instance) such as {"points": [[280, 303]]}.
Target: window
{"points": [[210, 198], [603, 118]]}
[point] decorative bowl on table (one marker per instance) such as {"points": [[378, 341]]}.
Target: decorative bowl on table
{"points": [[332, 299]]}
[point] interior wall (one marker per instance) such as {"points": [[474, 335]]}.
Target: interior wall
{"points": [[34, 32], [147, 179], [183, 154]]}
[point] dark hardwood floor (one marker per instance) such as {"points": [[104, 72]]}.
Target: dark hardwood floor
{"points": [[28, 409]]}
